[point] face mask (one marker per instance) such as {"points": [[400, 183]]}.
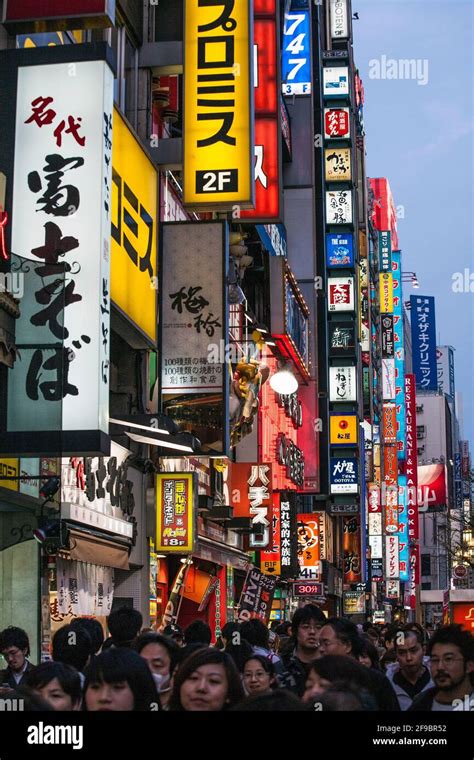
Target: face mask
{"points": [[161, 681]]}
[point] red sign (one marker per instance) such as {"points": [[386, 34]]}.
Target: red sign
{"points": [[384, 215], [270, 561], [3, 245], [29, 16], [463, 614], [251, 496], [432, 487], [390, 423], [307, 589], [336, 122], [308, 437], [411, 472], [267, 116]]}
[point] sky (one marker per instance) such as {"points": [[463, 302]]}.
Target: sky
{"points": [[420, 135]]}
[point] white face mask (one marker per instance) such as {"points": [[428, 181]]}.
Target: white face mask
{"points": [[161, 681]]}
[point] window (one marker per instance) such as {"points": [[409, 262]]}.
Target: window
{"points": [[426, 564]]}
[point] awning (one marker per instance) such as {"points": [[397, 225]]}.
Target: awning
{"points": [[98, 551], [220, 554]]}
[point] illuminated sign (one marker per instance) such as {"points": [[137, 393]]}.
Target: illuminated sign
{"points": [[341, 294], [386, 292], [52, 15], [218, 103], [296, 60], [176, 510], [337, 164], [251, 496], [339, 19], [343, 429], [338, 207], [336, 81], [308, 546], [339, 250], [336, 123], [342, 384]]}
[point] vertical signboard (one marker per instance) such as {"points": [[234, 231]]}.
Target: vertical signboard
{"points": [[61, 222], [399, 350], [218, 105], [352, 549], [445, 368], [423, 340], [386, 293], [403, 541], [257, 596], [251, 496], [270, 559], [288, 534], [295, 57], [267, 115], [309, 559], [391, 556], [193, 317], [411, 471], [385, 252], [339, 19], [176, 511]]}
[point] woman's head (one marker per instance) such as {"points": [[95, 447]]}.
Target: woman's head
{"points": [[119, 679], [368, 654], [259, 675], [207, 680], [57, 683], [331, 668]]}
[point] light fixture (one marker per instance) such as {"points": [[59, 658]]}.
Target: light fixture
{"points": [[283, 381], [140, 427], [186, 561], [158, 442], [161, 556]]}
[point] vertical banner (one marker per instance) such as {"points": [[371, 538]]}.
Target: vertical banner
{"points": [[352, 549], [61, 221], [267, 167], [296, 53], [399, 348], [251, 496], [411, 471], [392, 557], [194, 324], [176, 512], [423, 340], [257, 596], [270, 559], [309, 556], [288, 535], [403, 540], [218, 105]]}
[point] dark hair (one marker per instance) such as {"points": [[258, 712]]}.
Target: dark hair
{"points": [[72, 646], [122, 664], [343, 696], [94, 629], [208, 656], [409, 630], [46, 672], [280, 700], [368, 649], [283, 628], [266, 664], [337, 667], [390, 633], [198, 632], [347, 632], [228, 629], [454, 634], [239, 653], [156, 638], [305, 615], [14, 637], [256, 633], [124, 625]]}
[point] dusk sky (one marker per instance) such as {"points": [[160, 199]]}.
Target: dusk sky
{"points": [[420, 136]]}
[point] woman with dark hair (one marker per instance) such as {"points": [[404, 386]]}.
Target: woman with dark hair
{"points": [[119, 679], [368, 654], [331, 668], [259, 675], [57, 683], [206, 681]]}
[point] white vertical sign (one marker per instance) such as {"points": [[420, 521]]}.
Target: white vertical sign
{"points": [[339, 20]]}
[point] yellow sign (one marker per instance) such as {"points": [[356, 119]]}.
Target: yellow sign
{"points": [[337, 162], [218, 105], [343, 429], [386, 292], [133, 269], [175, 512], [270, 566], [9, 468]]}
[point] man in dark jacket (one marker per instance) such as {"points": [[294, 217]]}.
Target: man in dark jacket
{"points": [[305, 628], [15, 648], [451, 650], [340, 636]]}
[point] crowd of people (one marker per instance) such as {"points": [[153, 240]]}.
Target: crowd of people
{"points": [[309, 663]]}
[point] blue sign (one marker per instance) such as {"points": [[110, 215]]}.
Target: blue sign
{"points": [[423, 338], [339, 251], [296, 62], [403, 543], [344, 475], [399, 353], [273, 237]]}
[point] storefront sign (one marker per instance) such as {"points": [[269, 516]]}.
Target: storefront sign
{"points": [[51, 15], [176, 510], [389, 423], [340, 294], [270, 559], [343, 509], [336, 123], [84, 588], [445, 369], [134, 230], [341, 338], [218, 105], [352, 549], [392, 589], [309, 560], [388, 379], [193, 317], [337, 163], [342, 383], [386, 293], [288, 534], [339, 207], [376, 568], [343, 430], [339, 251], [343, 473], [385, 252], [387, 336], [9, 468], [296, 58], [336, 82], [257, 596], [423, 339], [391, 557], [63, 172], [251, 496], [403, 540], [354, 602], [339, 19]]}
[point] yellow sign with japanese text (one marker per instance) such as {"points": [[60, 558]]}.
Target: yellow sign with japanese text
{"points": [[9, 468], [133, 268], [218, 105], [386, 292], [176, 509], [343, 429]]}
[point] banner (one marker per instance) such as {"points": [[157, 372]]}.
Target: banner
{"points": [[270, 559], [257, 596], [296, 53], [411, 471], [251, 496], [423, 339], [84, 588], [288, 534], [432, 493], [309, 557], [352, 549], [176, 511]]}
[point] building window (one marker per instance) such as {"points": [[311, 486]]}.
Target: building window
{"points": [[426, 564]]}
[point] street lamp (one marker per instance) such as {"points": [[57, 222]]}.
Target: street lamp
{"points": [[412, 278], [284, 381]]}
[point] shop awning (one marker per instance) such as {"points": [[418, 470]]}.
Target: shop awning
{"points": [[220, 554], [98, 551]]}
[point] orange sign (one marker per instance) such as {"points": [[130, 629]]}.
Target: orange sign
{"points": [[308, 546], [463, 614], [389, 423], [270, 561], [343, 429]]}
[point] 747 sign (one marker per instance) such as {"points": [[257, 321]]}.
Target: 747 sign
{"points": [[296, 69]]}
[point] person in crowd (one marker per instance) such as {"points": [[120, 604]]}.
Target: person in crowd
{"points": [[124, 626], [29, 700], [368, 654], [198, 632], [206, 681], [228, 633], [174, 632], [239, 653], [94, 629], [15, 648], [389, 656], [162, 655], [342, 697], [332, 668], [259, 675], [72, 646], [119, 680], [305, 627], [258, 636], [451, 652], [340, 636], [409, 675], [278, 700], [57, 683]]}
